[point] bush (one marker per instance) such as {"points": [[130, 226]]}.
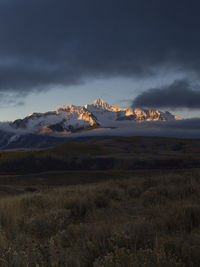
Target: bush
{"points": [[182, 218], [142, 258]]}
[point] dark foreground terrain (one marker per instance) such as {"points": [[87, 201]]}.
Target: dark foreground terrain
{"points": [[137, 218], [125, 215]]}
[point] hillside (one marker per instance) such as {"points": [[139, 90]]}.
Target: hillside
{"points": [[119, 153]]}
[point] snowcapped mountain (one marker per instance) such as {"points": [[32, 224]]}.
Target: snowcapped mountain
{"points": [[69, 119]]}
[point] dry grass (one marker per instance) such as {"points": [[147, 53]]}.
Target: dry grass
{"points": [[142, 221]]}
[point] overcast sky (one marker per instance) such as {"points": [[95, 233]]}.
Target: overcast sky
{"points": [[129, 52]]}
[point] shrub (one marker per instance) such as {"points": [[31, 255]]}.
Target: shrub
{"points": [[80, 206], [182, 218], [152, 197], [142, 258]]}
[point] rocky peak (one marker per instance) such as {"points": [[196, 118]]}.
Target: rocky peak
{"points": [[100, 103]]}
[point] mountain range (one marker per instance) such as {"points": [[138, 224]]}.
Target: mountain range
{"points": [[70, 119], [43, 129]]}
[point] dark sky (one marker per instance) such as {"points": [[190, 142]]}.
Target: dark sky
{"points": [[179, 94], [48, 43]]}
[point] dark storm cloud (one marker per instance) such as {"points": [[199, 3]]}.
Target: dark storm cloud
{"points": [[180, 94], [48, 42]]}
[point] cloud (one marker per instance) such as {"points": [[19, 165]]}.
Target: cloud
{"points": [[50, 43], [172, 129], [185, 124], [189, 128], [179, 94], [10, 100]]}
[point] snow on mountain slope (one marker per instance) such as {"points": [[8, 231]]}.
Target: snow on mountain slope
{"points": [[66, 118], [69, 119]]}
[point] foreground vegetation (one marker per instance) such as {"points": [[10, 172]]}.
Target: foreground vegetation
{"points": [[138, 219]]}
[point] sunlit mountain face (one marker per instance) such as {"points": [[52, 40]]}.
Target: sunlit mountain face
{"points": [[69, 119]]}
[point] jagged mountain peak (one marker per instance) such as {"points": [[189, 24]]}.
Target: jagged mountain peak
{"points": [[100, 103]]}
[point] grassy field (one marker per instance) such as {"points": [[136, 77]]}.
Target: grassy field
{"points": [[108, 202], [131, 218]]}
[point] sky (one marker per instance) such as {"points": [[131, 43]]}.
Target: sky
{"points": [[139, 53]]}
